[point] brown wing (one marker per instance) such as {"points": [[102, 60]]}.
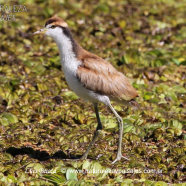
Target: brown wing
{"points": [[100, 76]]}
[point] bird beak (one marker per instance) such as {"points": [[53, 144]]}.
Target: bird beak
{"points": [[41, 31]]}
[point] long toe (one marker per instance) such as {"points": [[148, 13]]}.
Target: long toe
{"points": [[125, 158], [118, 158]]}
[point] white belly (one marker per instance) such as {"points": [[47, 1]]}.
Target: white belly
{"points": [[78, 88], [75, 85]]}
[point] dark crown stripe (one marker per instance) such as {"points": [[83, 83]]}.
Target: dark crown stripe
{"points": [[51, 21]]}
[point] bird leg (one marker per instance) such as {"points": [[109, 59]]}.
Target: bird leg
{"points": [[96, 133], [120, 124]]}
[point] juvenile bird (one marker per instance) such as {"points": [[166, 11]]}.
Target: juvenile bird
{"points": [[89, 76]]}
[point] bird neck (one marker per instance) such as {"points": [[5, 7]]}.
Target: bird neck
{"points": [[68, 47]]}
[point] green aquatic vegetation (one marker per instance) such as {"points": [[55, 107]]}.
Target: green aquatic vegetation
{"points": [[43, 123]]}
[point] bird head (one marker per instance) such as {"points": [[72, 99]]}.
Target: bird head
{"points": [[53, 27]]}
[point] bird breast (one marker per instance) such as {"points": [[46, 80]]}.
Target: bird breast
{"points": [[69, 68]]}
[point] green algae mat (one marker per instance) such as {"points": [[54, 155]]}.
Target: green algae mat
{"points": [[44, 126]]}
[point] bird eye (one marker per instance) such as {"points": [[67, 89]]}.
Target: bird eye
{"points": [[53, 27]]}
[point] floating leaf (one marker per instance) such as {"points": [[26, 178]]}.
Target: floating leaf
{"points": [[71, 174], [8, 118]]}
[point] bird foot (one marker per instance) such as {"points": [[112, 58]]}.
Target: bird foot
{"points": [[118, 158]]}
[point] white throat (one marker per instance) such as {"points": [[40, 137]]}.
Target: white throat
{"points": [[65, 47], [69, 61]]}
